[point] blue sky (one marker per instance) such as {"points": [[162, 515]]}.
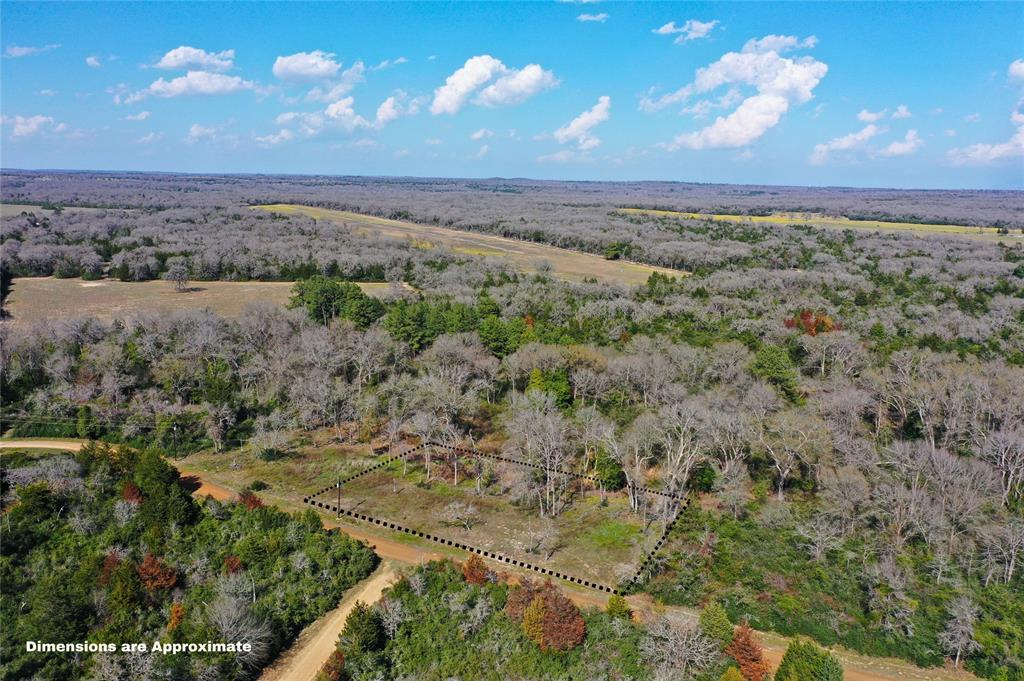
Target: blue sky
{"points": [[922, 95]]}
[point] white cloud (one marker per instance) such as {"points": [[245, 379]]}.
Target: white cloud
{"points": [[15, 51], [342, 113], [199, 132], [779, 43], [517, 86], [984, 154], [845, 143], [780, 82], [401, 153], [274, 139], [141, 116], [950, 132], [511, 87], [483, 151], [972, 118], [481, 134], [1016, 70], [93, 62], [47, 93], [691, 30], [563, 156], [871, 116], [598, 18], [350, 77], [901, 112], [187, 58], [432, 141], [193, 83], [388, 63], [149, 138], [23, 127], [579, 130], [315, 65], [395, 106], [911, 143]]}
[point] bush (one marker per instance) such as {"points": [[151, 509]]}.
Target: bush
{"points": [[714, 622], [618, 607], [805, 661]]}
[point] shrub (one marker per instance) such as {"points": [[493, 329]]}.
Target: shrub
{"points": [[474, 570], [618, 607], [805, 661]]}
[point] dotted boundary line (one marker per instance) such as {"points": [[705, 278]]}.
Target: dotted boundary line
{"points": [[491, 554]]}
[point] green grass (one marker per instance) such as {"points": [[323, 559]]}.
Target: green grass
{"points": [[611, 534]]}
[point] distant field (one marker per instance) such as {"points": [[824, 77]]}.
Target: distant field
{"points": [[38, 298], [818, 220], [523, 255]]}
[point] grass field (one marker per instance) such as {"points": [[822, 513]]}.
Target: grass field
{"points": [[523, 255], [34, 299], [837, 222]]}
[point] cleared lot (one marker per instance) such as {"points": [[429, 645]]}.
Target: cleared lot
{"points": [[35, 299], [523, 255]]}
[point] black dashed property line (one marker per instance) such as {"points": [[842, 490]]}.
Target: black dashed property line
{"points": [[661, 540], [370, 469], [459, 545]]}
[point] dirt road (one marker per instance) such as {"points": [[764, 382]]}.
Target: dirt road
{"points": [[857, 667], [314, 645]]}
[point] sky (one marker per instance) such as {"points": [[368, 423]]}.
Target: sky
{"points": [[916, 95]]}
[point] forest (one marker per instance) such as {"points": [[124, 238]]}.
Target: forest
{"points": [[846, 408]]}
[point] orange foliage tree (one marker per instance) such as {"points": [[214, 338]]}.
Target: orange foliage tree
{"points": [[474, 570], [747, 652], [812, 323], [561, 626], [177, 615], [250, 500], [155, 575]]}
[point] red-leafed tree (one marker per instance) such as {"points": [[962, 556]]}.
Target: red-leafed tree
{"points": [[250, 500], [155, 575], [561, 623], [177, 615], [131, 493], [747, 652], [232, 564], [812, 323], [474, 570], [110, 563]]}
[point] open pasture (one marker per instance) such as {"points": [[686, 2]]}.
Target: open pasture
{"points": [[829, 221], [523, 255], [34, 299]]}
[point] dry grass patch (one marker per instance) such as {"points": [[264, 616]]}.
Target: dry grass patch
{"points": [[522, 255]]}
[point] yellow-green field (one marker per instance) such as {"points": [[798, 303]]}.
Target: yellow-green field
{"points": [[523, 255], [34, 299], [818, 220]]}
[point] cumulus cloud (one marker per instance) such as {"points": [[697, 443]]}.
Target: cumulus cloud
{"points": [[396, 106], [199, 132], [780, 82], [481, 134], [911, 143], [193, 83], [691, 30], [579, 131], [93, 62], [15, 51], [597, 18], [901, 112], [872, 116], [335, 90], [23, 127], [187, 58], [854, 140], [141, 116], [1016, 70], [274, 139], [517, 86], [512, 86], [315, 65], [482, 151], [985, 154]]}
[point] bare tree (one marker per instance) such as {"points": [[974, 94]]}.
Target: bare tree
{"points": [[957, 638], [461, 514], [677, 648]]}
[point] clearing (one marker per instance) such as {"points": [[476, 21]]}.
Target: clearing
{"points": [[34, 299], [523, 255], [831, 221]]}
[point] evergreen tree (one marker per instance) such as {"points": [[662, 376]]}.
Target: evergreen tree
{"points": [[714, 622], [747, 652], [805, 661]]}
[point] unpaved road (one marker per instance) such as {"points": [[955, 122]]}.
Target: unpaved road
{"points": [[856, 667], [307, 655]]}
